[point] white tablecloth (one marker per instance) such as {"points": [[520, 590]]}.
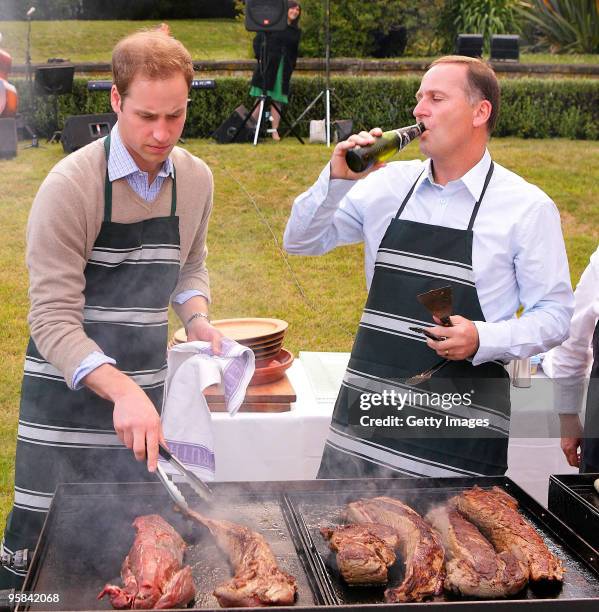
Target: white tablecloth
{"points": [[288, 445]]}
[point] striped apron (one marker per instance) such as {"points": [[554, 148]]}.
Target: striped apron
{"points": [[68, 436], [590, 445], [384, 427]]}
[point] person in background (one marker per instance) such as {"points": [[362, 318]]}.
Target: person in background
{"points": [[569, 365], [116, 232], [457, 219], [276, 53]]}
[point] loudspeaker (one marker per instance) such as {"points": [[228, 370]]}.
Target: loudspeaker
{"points": [[54, 80], [265, 15], [80, 130], [226, 130], [8, 138], [470, 45], [342, 129], [505, 47]]}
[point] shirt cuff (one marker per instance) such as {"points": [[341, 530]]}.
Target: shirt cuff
{"points": [[568, 396], [489, 342], [182, 297], [89, 364]]}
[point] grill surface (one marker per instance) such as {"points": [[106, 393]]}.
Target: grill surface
{"points": [[316, 510], [88, 533]]}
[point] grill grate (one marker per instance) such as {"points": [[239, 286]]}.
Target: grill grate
{"points": [[88, 532]]}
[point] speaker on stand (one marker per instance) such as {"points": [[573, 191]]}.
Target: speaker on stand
{"points": [[54, 80]]}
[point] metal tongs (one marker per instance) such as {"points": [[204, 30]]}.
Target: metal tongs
{"points": [[198, 485]]}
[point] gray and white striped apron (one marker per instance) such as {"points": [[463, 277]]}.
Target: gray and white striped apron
{"points": [[413, 258], [68, 436]]}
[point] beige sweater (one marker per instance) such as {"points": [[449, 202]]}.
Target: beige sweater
{"points": [[64, 222]]}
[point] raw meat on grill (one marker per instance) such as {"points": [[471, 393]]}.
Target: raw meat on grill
{"points": [[364, 552], [472, 565], [258, 581], [152, 572], [420, 546], [495, 513]]}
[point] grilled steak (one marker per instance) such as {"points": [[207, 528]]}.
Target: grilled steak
{"points": [[364, 552], [258, 581], [495, 513], [472, 565], [152, 574], [419, 545]]}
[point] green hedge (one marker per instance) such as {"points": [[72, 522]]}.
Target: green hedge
{"points": [[531, 108]]}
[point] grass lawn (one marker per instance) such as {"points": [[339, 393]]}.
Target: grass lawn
{"points": [[249, 274], [92, 41]]}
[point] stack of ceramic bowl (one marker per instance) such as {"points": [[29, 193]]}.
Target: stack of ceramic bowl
{"points": [[263, 336]]}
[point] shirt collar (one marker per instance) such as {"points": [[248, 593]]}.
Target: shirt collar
{"points": [[473, 180], [121, 164]]}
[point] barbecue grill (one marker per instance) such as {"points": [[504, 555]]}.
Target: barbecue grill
{"points": [[88, 533]]}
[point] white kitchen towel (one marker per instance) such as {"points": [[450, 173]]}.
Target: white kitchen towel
{"points": [[186, 419]]}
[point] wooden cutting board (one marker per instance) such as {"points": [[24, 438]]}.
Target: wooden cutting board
{"points": [[257, 396], [258, 407]]}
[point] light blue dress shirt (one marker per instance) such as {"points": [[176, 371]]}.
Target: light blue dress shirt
{"points": [[121, 165]]}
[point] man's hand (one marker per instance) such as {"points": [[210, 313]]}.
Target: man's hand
{"points": [[134, 417], [571, 433], [462, 339], [138, 426], [339, 167], [201, 329]]}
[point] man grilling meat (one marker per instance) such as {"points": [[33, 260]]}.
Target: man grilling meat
{"points": [[457, 219], [116, 232]]}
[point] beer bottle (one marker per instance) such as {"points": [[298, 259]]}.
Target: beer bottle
{"points": [[361, 158]]}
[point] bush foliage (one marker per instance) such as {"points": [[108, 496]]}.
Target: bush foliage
{"points": [[570, 26], [531, 108]]}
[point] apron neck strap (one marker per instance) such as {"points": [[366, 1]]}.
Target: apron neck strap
{"points": [[408, 196], [108, 187], [174, 194], [107, 184], [482, 193]]}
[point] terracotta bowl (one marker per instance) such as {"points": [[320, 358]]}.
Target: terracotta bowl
{"points": [[272, 370]]}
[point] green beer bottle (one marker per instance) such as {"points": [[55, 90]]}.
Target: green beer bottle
{"points": [[361, 158]]}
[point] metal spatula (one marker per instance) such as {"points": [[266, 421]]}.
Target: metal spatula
{"points": [[439, 302]]}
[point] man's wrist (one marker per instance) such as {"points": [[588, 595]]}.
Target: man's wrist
{"points": [[197, 315]]}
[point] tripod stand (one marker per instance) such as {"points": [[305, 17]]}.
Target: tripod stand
{"points": [[327, 91], [21, 123], [261, 102]]}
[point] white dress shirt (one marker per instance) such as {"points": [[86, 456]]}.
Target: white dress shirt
{"points": [[569, 364], [518, 254]]}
